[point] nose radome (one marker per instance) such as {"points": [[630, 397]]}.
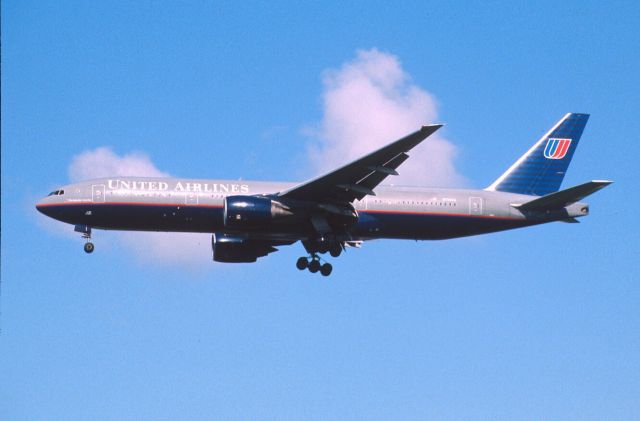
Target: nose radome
{"points": [[40, 207]]}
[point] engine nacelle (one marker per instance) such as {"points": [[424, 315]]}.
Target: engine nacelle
{"points": [[235, 249], [252, 211]]}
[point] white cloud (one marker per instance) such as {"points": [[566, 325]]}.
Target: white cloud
{"points": [[190, 250], [103, 162], [184, 249], [371, 101]]}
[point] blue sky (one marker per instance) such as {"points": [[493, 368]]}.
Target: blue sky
{"points": [[529, 324]]}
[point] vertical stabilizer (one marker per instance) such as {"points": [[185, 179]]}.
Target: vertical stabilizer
{"points": [[541, 170]]}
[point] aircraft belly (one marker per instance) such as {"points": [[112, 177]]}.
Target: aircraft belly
{"points": [[155, 217], [429, 226], [142, 217]]}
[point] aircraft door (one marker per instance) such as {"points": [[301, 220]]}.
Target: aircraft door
{"points": [[97, 193], [475, 206], [191, 198]]}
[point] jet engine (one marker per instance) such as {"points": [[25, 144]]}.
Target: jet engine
{"points": [[236, 249], [244, 212]]}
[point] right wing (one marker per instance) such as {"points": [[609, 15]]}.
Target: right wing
{"points": [[358, 178]]}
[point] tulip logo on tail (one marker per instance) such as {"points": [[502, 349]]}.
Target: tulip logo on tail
{"points": [[556, 148]]}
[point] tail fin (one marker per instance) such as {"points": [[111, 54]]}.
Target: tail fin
{"points": [[540, 171]]}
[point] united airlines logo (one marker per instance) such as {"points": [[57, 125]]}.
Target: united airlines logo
{"points": [[556, 148]]}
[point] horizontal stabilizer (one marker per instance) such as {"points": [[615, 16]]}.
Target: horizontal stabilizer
{"points": [[563, 198]]}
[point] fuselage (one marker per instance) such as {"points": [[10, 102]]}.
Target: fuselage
{"points": [[195, 205]]}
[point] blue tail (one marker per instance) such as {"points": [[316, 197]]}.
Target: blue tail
{"points": [[540, 171]]}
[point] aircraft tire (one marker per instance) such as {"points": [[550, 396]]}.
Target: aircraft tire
{"points": [[336, 250], [89, 247], [314, 266], [326, 269], [302, 263]]}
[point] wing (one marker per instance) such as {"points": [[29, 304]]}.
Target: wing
{"points": [[359, 178]]}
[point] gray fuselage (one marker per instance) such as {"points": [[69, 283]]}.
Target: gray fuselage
{"points": [[194, 205]]}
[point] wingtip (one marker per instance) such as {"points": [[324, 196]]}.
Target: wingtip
{"points": [[431, 127], [577, 115]]}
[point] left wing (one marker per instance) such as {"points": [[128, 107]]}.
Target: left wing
{"points": [[359, 178]]}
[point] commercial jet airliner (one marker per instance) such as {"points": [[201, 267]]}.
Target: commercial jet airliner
{"points": [[340, 209]]}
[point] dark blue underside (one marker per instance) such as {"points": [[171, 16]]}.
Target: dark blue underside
{"points": [[429, 226], [209, 220]]}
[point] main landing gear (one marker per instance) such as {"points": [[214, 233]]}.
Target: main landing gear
{"points": [[316, 247], [313, 264], [86, 234]]}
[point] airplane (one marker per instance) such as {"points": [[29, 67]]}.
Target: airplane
{"points": [[339, 209]]}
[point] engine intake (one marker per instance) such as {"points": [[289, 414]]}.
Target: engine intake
{"points": [[252, 211]]}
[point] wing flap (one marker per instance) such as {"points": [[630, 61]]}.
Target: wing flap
{"points": [[384, 170], [389, 168], [357, 188]]}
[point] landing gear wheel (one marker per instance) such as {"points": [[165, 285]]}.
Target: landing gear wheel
{"points": [[88, 247], [314, 266], [336, 250], [302, 263], [326, 269]]}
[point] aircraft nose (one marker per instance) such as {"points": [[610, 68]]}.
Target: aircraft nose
{"points": [[41, 207]]}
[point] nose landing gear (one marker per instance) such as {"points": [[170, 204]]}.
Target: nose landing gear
{"points": [[89, 247], [86, 234]]}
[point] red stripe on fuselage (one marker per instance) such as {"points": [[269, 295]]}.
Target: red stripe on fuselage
{"points": [[462, 215], [128, 204]]}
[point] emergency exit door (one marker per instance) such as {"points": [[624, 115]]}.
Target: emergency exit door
{"points": [[97, 193], [475, 206]]}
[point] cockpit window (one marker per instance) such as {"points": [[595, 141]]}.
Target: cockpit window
{"points": [[61, 192], [56, 193]]}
